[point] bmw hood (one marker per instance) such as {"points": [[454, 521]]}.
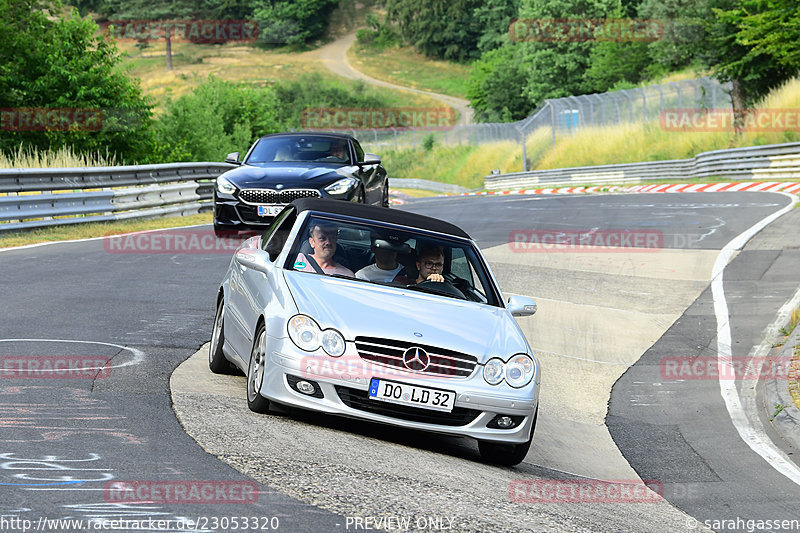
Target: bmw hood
{"points": [[289, 175], [358, 308]]}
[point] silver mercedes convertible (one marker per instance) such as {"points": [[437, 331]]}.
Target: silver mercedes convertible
{"points": [[381, 315]]}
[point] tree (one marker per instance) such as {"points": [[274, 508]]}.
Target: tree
{"points": [[556, 69], [495, 17], [293, 22], [149, 12], [684, 36], [438, 28], [752, 47], [494, 87], [54, 65]]}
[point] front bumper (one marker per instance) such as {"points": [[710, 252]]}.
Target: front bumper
{"points": [[344, 384]]}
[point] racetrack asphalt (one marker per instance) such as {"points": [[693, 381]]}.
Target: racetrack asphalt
{"points": [[159, 307]]}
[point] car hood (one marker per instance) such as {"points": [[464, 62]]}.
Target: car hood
{"points": [[289, 175], [357, 308]]}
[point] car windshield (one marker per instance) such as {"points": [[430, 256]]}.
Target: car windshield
{"points": [[300, 149], [390, 256]]}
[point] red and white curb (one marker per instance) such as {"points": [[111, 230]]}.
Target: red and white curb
{"points": [[765, 186], [762, 186]]}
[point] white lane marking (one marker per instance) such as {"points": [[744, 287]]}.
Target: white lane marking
{"points": [[754, 437], [25, 246], [138, 355]]}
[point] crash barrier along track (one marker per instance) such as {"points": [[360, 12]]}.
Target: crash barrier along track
{"points": [[34, 198], [758, 163]]}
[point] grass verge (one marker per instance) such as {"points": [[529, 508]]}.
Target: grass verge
{"points": [[97, 229]]}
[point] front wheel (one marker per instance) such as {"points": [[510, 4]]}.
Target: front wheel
{"points": [[216, 359], [255, 373], [507, 454]]}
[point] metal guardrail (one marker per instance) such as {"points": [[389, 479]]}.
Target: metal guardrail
{"points": [[770, 162], [35, 198]]}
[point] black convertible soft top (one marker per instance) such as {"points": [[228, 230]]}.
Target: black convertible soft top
{"points": [[378, 214]]}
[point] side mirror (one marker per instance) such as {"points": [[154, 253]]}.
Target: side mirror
{"points": [[256, 259], [233, 158], [371, 159], [521, 305]]}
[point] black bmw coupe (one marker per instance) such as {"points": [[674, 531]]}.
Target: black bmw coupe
{"points": [[282, 167]]}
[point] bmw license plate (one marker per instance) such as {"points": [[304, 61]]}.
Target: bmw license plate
{"points": [[269, 210], [405, 394]]}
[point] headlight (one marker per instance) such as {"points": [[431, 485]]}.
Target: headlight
{"points": [[493, 371], [304, 332], [343, 186], [332, 342], [307, 335], [519, 370], [224, 186]]}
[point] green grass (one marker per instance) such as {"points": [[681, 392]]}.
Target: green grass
{"points": [[97, 229], [403, 66]]}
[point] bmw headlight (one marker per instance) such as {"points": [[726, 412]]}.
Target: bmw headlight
{"points": [[341, 187], [519, 370], [308, 336], [493, 371], [224, 186]]}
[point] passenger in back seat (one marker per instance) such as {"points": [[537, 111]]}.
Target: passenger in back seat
{"points": [[386, 269]]}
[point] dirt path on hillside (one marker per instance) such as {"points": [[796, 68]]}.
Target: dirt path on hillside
{"points": [[334, 57]]}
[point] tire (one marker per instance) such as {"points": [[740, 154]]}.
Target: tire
{"points": [[255, 373], [385, 197], [216, 359], [506, 454]]}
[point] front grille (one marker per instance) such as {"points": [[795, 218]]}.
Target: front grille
{"points": [[443, 362], [359, 399], [271, 196]]}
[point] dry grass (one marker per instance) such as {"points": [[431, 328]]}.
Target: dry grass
{"points": [[61, 158], [194, 63], [630, 143], [403, 66], [98, 229]]}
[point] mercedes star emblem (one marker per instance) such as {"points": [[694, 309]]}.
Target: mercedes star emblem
{"points": [[416, 359]]}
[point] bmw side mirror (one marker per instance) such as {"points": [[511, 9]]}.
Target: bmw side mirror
{"points": [[521, 306], [370, 159], [233, 158]]}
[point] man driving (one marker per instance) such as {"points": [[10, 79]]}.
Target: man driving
{"points": [[430, 263], [322, 239]]}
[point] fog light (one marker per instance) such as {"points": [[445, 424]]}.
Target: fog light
{"points": [[505, 422], [305, 387]]}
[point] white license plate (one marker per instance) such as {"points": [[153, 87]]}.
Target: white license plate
{"points": [[269, 210], [405, 394]]}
